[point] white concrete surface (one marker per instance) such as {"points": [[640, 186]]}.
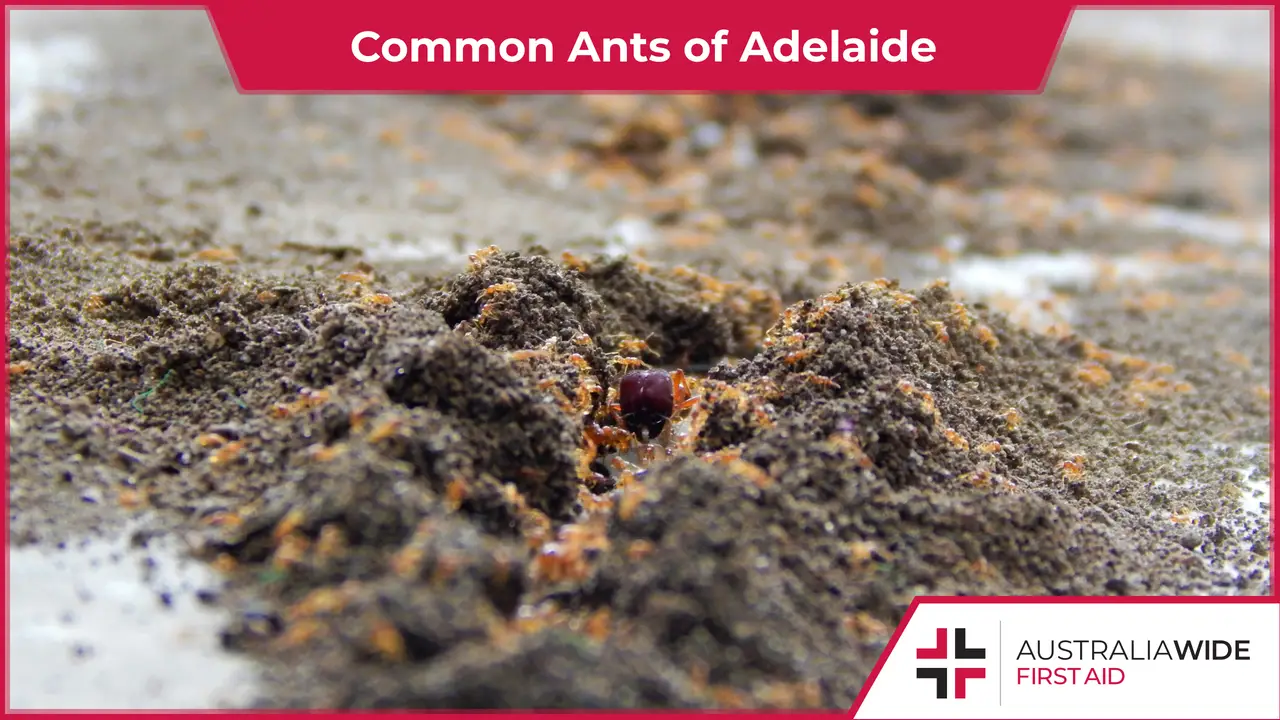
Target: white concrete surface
{"points": [[88, 630]]}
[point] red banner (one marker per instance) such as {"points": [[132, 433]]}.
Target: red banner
{"points": [[656, 46]]}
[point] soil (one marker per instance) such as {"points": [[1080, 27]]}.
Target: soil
{"points": [[410, 470]]}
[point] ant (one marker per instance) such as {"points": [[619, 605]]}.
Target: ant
{"points": [[648, 399]]}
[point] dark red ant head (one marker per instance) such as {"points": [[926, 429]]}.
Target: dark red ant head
{"points": [[647, 398]]}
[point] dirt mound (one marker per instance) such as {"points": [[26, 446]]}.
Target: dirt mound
{"points": [[423, 498], [509, 301]]}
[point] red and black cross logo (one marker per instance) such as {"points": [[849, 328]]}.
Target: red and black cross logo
{"points": [[962, 674]]}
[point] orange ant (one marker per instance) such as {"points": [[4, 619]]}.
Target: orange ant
{"points": [[629, 363], [634, 346], [498, 289], [607, 436]]}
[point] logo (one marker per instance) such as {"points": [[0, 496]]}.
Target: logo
{"points": [[962, 674]]}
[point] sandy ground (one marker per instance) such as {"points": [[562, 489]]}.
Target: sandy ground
{"points": [[1110, 237]]}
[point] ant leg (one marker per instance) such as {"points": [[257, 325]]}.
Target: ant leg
{"points": [[687, 403], [682, 396]]}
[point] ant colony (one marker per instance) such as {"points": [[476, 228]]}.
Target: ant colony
{"points": [[647, 408]]}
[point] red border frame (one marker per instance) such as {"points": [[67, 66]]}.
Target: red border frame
{"points": [[1272, 599]]}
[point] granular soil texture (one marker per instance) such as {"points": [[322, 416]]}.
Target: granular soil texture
{"points": [[421, 496]]}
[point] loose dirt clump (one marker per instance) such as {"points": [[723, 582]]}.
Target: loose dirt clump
{"points": [[574, 673], [509, 430], [677, 327], [509, 301], [685, 317]]}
